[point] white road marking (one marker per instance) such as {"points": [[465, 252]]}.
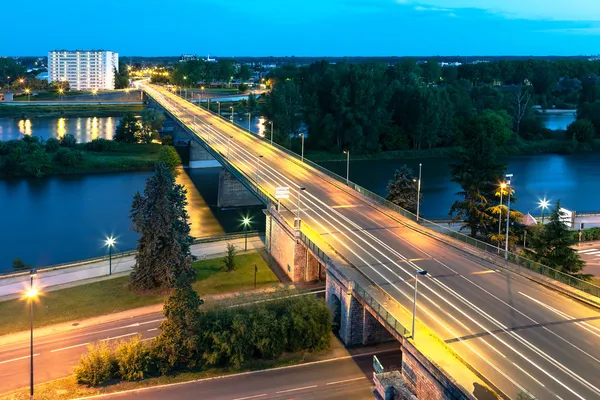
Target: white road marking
{"points": [[346, 380], [153, 329], [587, 250], [251, 397], [296, 389], [70, 347], [118, 337], [17, 359], [529, 375]]}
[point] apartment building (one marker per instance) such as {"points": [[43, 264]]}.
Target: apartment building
{"points": [[83, 69]]}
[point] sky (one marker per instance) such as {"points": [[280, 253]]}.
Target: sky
{"points": [[305, 27]]}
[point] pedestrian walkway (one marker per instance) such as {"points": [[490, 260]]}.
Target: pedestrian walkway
{"points": [[590, 253], [13, 286]]}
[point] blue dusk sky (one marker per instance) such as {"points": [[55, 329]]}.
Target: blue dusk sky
{"points": [[304, 27]]}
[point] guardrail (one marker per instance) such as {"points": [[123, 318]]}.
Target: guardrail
{"points": [[116, 256], [488, 248]]}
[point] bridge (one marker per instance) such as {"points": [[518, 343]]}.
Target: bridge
{"points": [[515, 334]]}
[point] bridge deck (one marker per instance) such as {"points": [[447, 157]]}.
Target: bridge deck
{"points": [[519, 335]]}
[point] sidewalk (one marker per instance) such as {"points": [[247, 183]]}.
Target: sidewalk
{"points": [[13, 286], [590, 253]]}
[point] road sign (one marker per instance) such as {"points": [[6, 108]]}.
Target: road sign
{"points": [[377, 367], [282, 192]]}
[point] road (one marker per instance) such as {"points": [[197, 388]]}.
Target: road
{"points": [[519, 335], [590, 253], [345, 378]]}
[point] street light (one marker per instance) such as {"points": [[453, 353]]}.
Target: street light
{"points": [[543, 204], [347, 153], [258, 168], [249, 119], [219, 108], [414, 316], [201, 95], [302, 136], [502, 187], [31, 294], [28, 93], [246, 221], [300, 190], [232, 112], [110, 242], [271, 122], [419, 192], [508, 178]]}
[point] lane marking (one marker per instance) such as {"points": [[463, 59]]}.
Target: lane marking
{"points": [[586, 251], [153, 329], [296, 389], [70, 347], [346, 380], [529, 375], [251, 397], [17, 359], [118, 337]]}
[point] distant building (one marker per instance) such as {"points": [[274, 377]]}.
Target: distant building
{"points": [[188, 57], [83, 69]]}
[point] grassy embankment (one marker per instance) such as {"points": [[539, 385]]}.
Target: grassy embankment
{"points": [[113, 295], [69, 110]]}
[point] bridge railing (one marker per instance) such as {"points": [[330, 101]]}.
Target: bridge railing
{"points": [[517, 259], [381, 311]]}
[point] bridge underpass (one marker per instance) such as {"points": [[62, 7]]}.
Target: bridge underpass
{"points": [[519, 335]]}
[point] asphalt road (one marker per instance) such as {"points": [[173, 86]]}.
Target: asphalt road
{"points": [[346, 378], [519, 335], [590, 253]]}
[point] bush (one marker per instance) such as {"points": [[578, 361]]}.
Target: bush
{"points": [[52, 145], [69, 158], [170, 157], [133, 359], [97, 366], [101, 145], [68, 140], [242, 87], [18, 264], [229, 259], [167, 140], [588, 234]]}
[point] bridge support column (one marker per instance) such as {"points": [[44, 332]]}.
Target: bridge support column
{"points": [[374, 332], [232, 193], [200, 157], [348, 312]]}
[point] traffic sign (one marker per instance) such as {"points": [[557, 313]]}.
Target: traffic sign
{"points": [[377, 367], [282, 192]]}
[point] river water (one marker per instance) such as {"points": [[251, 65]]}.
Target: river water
{"points": [[65, 218]]}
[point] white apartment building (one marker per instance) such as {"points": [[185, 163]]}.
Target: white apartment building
{"points": [[84, 70]]}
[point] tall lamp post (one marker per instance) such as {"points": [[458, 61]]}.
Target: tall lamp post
{"points": [[502, 187], [110, 242], [302, 156], [28, 93], [543, 204], [419, 192], [246, 222], [508, 178], [232, 113], [271, 122], [347, 153], [31, 295], [414, 316], [249, 119], [300, 190], [259, 158], [219, 108]]}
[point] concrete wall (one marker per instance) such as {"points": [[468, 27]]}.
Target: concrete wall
{"points": [[200, 157], [232, 193]]}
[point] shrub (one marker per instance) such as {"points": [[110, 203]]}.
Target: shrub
{"points": [[30, 139], [97, 366], [69, 158], [229, 259], [18, 264], [242, 87], [68, 140], [170, 157], [102, 145], [52, 145], [133, 359], [167, 140]]}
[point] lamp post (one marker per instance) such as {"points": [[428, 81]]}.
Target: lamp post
{"points": [[249, 119], [31, 295], [219, 108], [300, 190], [232, 112], [302, 156], [271, 132], [419, 192], [110, 242], [414, 316], [347, 153], [229, 145], [502, 187], [508, 178], [28, 92], [246, 222], [202, 95], [543, 204], [258, 168]]}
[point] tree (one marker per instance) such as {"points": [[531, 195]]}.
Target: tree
{"points": [[177, 346], [18, 264], [128, 130], [552, 243], [68, 140], [152, 121], [251, 102], [171, 158], [590, 111], [229, 259], [581, 131], [402, 189], [520, 103], [431, 71], [244, 72], [121, 78], [163, 249], [38, 163]]}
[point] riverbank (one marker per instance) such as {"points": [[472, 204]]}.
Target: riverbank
{"points": [[69, 110]]}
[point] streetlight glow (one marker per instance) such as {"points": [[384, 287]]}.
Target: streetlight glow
{"points": [[544, 204], [31, 293], [246, 221], [110, 241]]}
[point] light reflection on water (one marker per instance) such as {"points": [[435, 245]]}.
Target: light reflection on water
{"points": [[84, 129]]}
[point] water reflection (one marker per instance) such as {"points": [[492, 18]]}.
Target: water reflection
{"points": [[84, 129], [61, 127], [25, 127], [261, 126]]}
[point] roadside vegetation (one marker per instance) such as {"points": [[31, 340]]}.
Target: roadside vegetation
{"points": [[67, 110]]}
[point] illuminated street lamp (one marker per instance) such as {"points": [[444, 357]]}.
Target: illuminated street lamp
{"points": [[60, 92], [28, 93], [418, 191], [502, 187], [219, 108], [508, 178], [249, 119], [302, 153], [300, 190], [414, 316], [31, 294], [271, 122], [246, 222], [347, 153], [232, 112], [543, 204], [258, 168], [110, 242]]}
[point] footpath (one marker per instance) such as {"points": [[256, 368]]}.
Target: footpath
{"points": [[60, 277]]}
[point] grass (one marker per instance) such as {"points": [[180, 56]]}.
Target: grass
{"points": [[113, 295], [68, 388], [52, 95], [69, 110]]}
